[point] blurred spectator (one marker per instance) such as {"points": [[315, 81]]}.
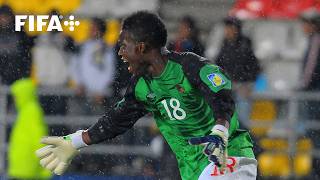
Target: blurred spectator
{"points": [[311, 67], [237, 58], [27, 131], [187, 37], [51, 59], [15, 57], [15, 47], [311, 74], [93, 69]]}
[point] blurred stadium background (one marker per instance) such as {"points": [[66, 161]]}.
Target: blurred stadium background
{"points": [[284, 134]]}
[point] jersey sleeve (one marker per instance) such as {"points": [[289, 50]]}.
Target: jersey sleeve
{"points": [[212, 83], [216, 88], [119, 119], [213, 78]]}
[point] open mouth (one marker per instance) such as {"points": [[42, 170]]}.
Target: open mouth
{"points": [[127, 62], [124, 60]]}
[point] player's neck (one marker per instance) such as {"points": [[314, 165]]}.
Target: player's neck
{"points": [[157, 62]]}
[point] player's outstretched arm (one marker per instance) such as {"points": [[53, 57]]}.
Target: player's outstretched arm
{"points": [[60, 151]]}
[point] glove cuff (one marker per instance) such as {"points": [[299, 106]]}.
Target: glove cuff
{"points": [[220, 130], [76, 140]]}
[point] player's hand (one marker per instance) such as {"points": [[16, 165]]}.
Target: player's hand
{"points": [[59, 152], [215, 145]]}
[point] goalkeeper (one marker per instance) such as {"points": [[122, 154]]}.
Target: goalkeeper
{"points": [[189, 98]]}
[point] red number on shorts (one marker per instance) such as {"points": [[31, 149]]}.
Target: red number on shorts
{"points": [[217, 172]]}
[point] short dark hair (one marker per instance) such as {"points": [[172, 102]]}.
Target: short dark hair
{"points": [[144, 26], [5, 9], [190, 22], [233, 21], [311, 16], [100, 23]]}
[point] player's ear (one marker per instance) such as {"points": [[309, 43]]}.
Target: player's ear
{"points": [[141, 48]]}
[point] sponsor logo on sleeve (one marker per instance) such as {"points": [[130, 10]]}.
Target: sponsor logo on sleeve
{"points": [[216, 79]]}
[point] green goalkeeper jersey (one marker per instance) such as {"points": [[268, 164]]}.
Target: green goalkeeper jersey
{"points": [[185, 100]]}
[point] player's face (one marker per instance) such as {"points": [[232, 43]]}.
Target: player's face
{"points": [[307, 28], [130, 53], [184, 30], [230, 32]]}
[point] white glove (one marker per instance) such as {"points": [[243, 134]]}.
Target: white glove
{"points": [[221, 151], [59, 152], [215, 145]]}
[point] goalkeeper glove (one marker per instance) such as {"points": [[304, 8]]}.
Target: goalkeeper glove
{"points": [[215, 145], [59, 152]]}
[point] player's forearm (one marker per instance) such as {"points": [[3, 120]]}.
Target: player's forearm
{"points": [[222, 105], [103, 130], [109, 126], [115, 122]]}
